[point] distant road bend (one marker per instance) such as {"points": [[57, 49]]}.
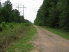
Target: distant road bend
{"points": [[49, 42]]}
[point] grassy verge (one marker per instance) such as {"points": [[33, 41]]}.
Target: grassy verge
{"points": [[24, 44], [58, 32], [12, 32]]}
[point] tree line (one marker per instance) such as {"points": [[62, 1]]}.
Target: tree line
{"points": [[54, 13], [9, 15]]}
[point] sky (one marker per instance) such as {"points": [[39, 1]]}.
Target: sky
{"points": [[31, 9]]}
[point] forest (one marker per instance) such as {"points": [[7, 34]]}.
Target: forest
{"points": [[54, 14]]}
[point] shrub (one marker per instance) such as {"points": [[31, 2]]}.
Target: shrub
{"points": [[27, 24], [11, 26], [4, 25], [1, 28]]}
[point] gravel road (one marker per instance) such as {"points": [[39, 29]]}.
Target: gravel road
{"points": [[47, 41]]}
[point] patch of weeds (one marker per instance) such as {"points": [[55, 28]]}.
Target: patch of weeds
{"points": [[10, 33], [24, 45], [11, 26], [27, 24], [1, 29], [4, 25]]}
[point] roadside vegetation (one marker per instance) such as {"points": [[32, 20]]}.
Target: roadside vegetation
{"points": [[15, 31], [12, 32], [60, 32], [54, 14], [24, 44]]}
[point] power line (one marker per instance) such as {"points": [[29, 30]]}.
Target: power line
{"points": [[0, 4], [21, 7]]}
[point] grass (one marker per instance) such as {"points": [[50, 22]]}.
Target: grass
{"points": [[24, 44], [59, 32], [12, 32], [9, 35]]}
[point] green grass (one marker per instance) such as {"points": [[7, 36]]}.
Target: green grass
{"points": [[9, 35], [59, 32], [24, 44], [12, 32]]}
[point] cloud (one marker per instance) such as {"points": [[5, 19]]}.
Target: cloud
{"points": [[31, 9]]}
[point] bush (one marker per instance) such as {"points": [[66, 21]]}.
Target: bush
{"points": [[4, 25], [1, 29], [11, 35], [11, 26], [27, 24]]}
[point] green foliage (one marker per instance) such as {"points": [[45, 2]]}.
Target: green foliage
{"points": [[21, 34], [8, 4], [27, 21], [14, 32], [27, 24], [64, 15], [1, 18], [22, 19], [23, 45], [11, 26], [8, 15], [4, 26], [54, 13], [1, 29]]}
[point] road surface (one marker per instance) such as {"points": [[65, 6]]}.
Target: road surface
{"points": [[49, 42]]}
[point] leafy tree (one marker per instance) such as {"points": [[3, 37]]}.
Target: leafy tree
{"points": [[15, 15], [27, 21], [8, 15], [22, 19], [6, 11], [53, 13], [64, 15], [1, 17], [8, 5]]}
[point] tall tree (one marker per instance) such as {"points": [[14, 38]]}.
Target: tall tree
{"points": [[64, 15], [6, 11], [54, 13], [7, 14]]}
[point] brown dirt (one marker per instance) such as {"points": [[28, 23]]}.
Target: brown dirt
{"points": [[49, 42]]}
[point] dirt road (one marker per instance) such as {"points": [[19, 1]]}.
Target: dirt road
{"points": [[49, 42]]}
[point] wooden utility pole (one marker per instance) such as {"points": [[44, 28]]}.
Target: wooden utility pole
{"points": [[21, 7]]}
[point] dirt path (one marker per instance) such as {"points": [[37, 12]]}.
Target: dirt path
{"points": [[49, 42]]}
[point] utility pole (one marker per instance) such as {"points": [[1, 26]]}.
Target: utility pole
{"points": [[0, 3], [21, 7], [8, 0], [23, 10], [18, 7]]}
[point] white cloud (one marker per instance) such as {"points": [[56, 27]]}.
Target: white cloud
{"points": [[31, 9]]}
